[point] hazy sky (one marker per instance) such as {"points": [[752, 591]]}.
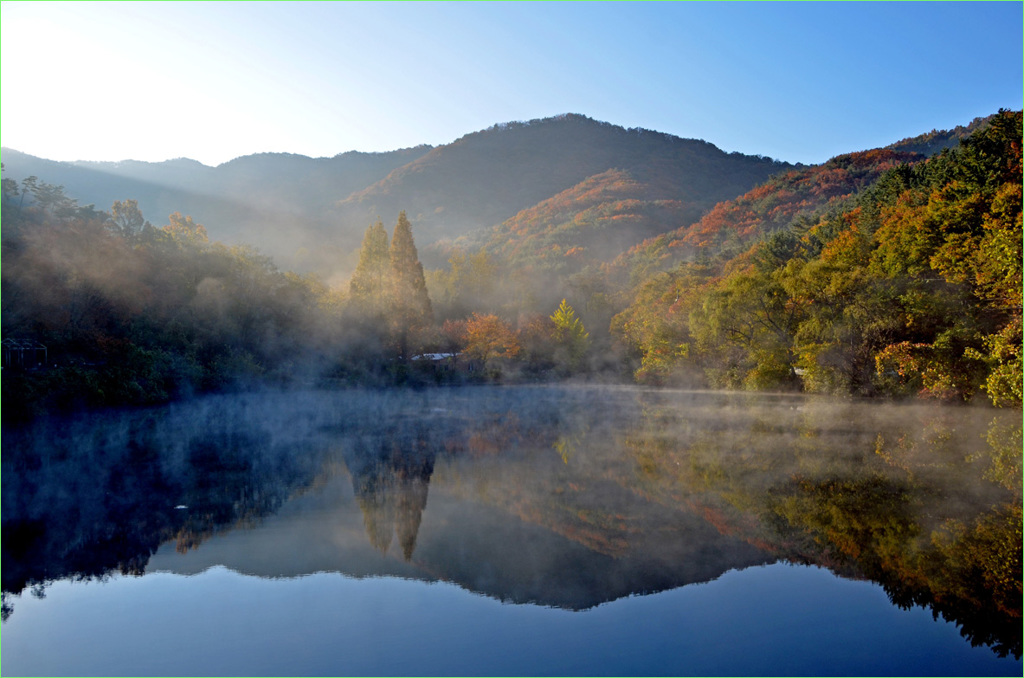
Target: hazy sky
{"points": [[800, 82]]}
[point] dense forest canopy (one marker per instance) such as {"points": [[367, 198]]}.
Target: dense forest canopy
{"points": [[885, 272], [910, 283]]}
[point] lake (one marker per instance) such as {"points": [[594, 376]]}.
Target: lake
{"points": [[518, 530]]}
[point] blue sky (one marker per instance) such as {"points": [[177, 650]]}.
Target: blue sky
{"points": [[801, 82]]}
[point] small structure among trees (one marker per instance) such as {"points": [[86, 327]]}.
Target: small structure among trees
{"points": [[24, 353]]}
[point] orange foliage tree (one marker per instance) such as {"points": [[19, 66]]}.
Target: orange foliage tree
{"points": [[488, 337]]}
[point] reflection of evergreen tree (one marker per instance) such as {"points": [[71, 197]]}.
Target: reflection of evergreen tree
{"points": [[375, 499], [413, 481], [391, 486]]}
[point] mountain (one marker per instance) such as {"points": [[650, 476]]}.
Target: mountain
{"points": [[785, 199], [880, 272], [594, 220], [488, 177], [936, 141], [561, 193], [310, 213], [279, 202], [777, 203]]}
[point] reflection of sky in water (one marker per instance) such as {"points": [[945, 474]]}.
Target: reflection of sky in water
{"points": [[779, 619], [339, 509]]}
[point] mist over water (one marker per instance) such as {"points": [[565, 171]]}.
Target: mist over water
{"points": [[556, 498]]}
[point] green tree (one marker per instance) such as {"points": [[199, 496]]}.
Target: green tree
{"points": [[656, 324], [469, 283], [28, 185], [368, 288], [127, 219], [744, 330], [570, 336], [10, 188], [411, 310], [1002, 353]]}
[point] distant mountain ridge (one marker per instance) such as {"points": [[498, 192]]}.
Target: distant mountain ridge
{"points": [[539, 189], [281, 203], [935, 141], [310, 213], [486, 177]]}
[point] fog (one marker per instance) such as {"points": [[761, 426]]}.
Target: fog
{"points": [[583, 493], [189, 396]]}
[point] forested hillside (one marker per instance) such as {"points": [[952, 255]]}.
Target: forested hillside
{"points": [[937, 140], [909, 285], [879, 273], [783, 201], [309, 214], [105, 309], [281, 203], [593, 221], [487, 177]]}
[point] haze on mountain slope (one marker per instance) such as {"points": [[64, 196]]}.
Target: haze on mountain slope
{"points": [[309, 214], [880, 272]]}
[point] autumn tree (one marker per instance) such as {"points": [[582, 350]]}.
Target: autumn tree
{"points": [[536, 341], [127, 220], [952, 239], [489, 337], [183, 229], [571, 338]]}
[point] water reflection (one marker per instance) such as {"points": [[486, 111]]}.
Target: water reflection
{"points": [[560, 497], [925, 501], [390, 477]]}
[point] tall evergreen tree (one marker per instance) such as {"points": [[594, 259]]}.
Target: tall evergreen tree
{"points": [[411, 309], [371, 282]]}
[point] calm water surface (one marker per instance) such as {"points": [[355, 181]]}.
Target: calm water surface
{"points": [[518, 530]]}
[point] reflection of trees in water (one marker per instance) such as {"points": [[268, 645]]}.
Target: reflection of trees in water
{"points": [[925, 501], [531, 450], [913, 499], [390, 477], [88, 497]]}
